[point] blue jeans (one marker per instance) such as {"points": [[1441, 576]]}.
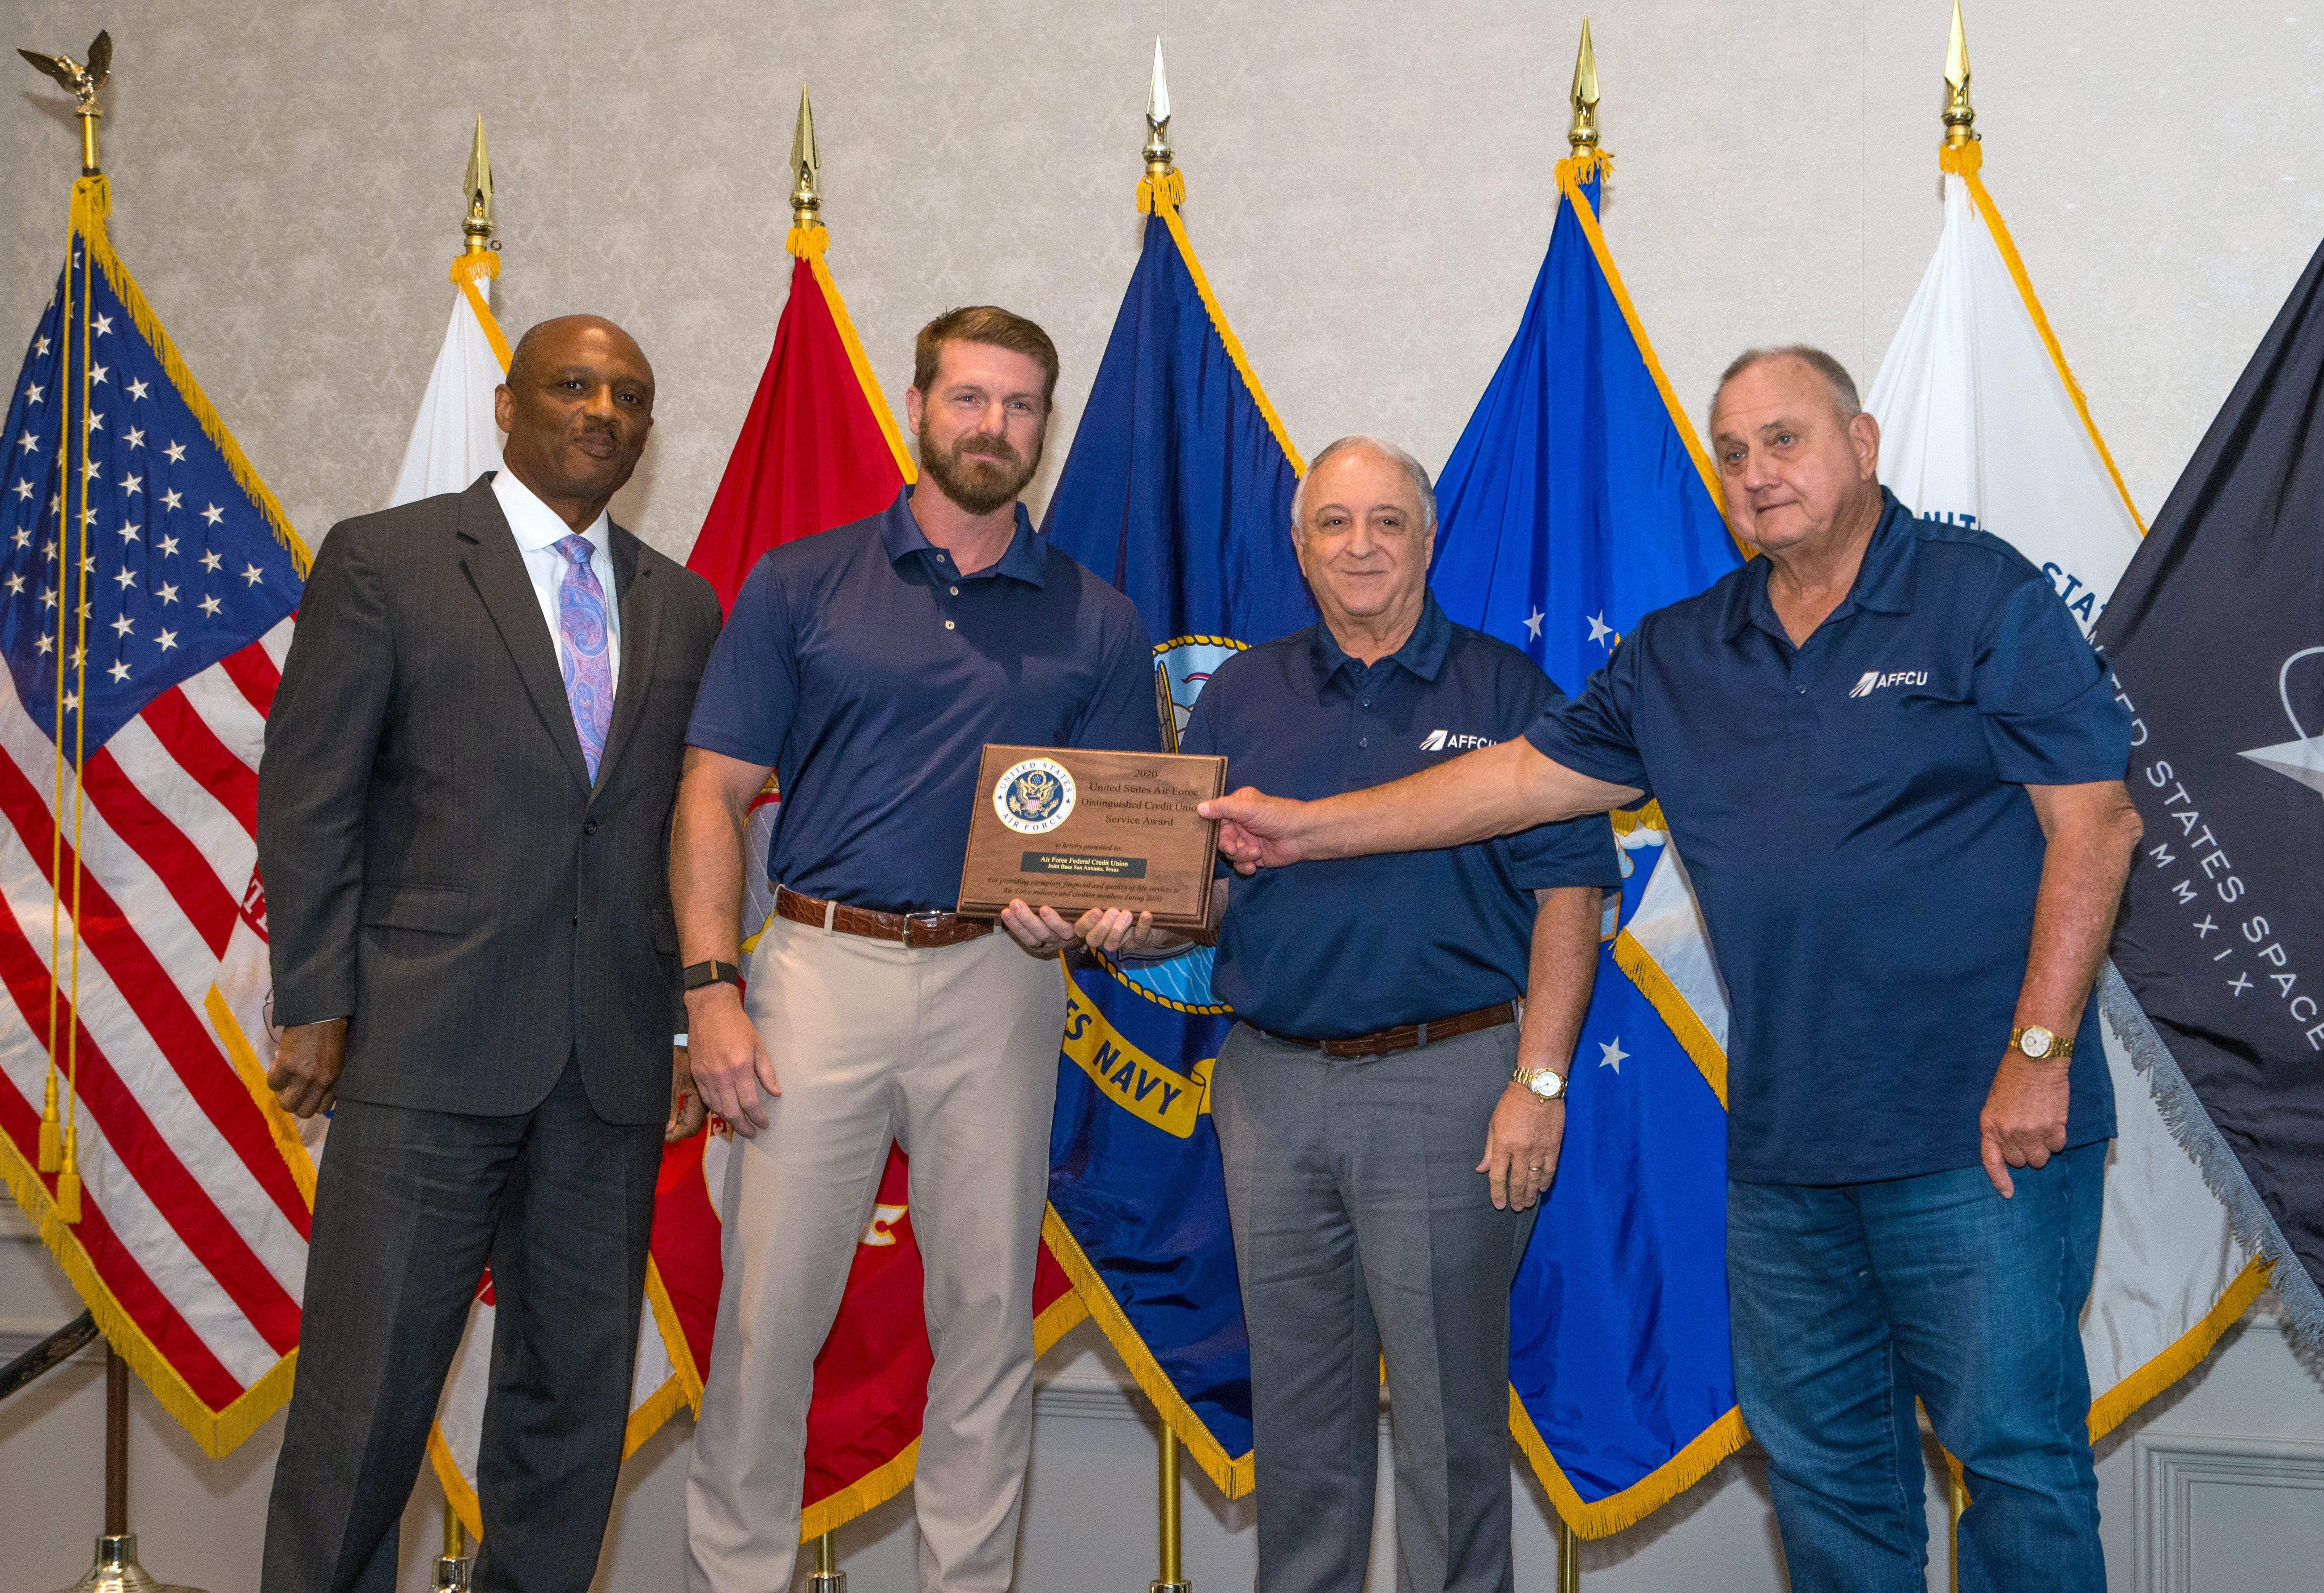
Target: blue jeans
{"points": [[1848, 1300]]}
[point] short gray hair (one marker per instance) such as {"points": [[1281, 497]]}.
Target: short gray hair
{"points": [[1421, 486], [1835, 374]]}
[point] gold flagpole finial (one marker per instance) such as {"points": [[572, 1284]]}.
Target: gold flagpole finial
{"points": [[1584, 134], [807, 161], [82, 83], [1158, 150], [476, 189], [1959, 114]]}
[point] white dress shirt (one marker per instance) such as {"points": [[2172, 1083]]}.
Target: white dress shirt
{"points": [[538, 528]]}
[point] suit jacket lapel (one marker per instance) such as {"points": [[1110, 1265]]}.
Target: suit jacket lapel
{"points": [[488, 552], [640, 614]]}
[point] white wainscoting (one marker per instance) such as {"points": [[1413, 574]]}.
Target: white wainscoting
{"points": [[2219, 1514], [2216, 1487]]}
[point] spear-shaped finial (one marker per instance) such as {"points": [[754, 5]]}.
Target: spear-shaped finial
{"points": [[1584, 134], [477, 190], [806, 160], [82, 83], [1959, 114], [1157, 120]]}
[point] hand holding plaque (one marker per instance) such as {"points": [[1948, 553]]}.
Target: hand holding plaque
{"points": [[1071, 828]]}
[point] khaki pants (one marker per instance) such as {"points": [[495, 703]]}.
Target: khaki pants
{"points": [[953, 1053]]}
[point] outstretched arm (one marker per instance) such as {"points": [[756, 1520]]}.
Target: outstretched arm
{"points": [[1493, 791]]}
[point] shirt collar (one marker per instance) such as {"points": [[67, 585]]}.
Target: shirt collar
{"points": [[533, 523], [1422, 655], [1025, 559], [1884, 580]]}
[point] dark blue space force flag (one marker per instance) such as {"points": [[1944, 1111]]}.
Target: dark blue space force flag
{"points": [[2215, 633]]}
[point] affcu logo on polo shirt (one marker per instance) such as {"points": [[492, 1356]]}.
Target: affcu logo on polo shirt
{"points": [[1873, 681], [1452, 741]]}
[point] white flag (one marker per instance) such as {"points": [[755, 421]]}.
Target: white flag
{"points": [[454, 440], [1981, 425]]}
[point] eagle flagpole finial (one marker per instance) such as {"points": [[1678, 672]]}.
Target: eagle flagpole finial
{"points": [[81, 82]]}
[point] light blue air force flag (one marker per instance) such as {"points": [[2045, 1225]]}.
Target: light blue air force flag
{"points": [[1577, 500]]}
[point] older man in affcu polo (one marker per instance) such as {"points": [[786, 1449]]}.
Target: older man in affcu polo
{"points": [[1381, 1048], [1895, 769]]}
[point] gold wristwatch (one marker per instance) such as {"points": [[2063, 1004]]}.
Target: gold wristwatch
{"points": [[1547, 1083], [2040, 1044]]}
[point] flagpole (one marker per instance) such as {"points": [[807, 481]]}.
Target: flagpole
{"points": [[453, 1566], [806, 223], [1960, 121], [1162, 185], [116, 1564], [1581, 138]]}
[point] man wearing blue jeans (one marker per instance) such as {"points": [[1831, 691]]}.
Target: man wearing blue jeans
{"points": [[1895, 770]]}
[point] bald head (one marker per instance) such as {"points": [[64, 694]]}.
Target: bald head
{"points": [[1845, 404], [548, 333], [576, 407]]}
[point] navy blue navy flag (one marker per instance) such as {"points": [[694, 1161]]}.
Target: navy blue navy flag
{"points": [[1577, 500], [1178, 490], [2215, 633]]}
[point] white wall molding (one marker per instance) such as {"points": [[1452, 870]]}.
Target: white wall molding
{"points": [[2184, 1504]]}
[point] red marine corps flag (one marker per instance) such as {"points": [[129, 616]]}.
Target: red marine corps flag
{"points": [[817, 449]]}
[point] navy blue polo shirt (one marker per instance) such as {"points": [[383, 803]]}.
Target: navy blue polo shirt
{"points": [[1348, 946], [1852, 814], [870, 672]]}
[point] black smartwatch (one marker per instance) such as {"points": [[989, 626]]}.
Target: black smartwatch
{"points": [[695, 976]]}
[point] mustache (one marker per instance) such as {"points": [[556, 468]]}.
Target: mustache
{"points": [[990, 448]]}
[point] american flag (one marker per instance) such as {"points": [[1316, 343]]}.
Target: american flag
{"points": [[147, 578]]}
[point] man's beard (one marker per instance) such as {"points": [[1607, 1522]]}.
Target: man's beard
{"points": [[979, 478]]}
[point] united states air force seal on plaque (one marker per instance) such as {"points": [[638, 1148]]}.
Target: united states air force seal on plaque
{"points": [[1074, 827], [1034, 797]]}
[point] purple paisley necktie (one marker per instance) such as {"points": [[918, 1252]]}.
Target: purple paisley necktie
{"points": [[581, 636]]}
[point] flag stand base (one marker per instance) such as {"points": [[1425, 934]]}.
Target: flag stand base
{"points": [[116, 1570], [828, 1577], [455, 1566]]}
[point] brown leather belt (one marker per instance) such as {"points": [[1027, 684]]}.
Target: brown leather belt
{"points": [[1410, 1035], [913, 929]]}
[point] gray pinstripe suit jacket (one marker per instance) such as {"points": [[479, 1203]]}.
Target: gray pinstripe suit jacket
{"points": [[437, 863]]}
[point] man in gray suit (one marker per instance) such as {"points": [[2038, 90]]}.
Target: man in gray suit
{"points": [[462, 821]]}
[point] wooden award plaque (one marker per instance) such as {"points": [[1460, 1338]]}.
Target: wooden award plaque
{"points": [[1072, 828]]}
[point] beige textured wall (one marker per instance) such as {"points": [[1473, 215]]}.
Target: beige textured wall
{"points": [[1368, 187]]}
